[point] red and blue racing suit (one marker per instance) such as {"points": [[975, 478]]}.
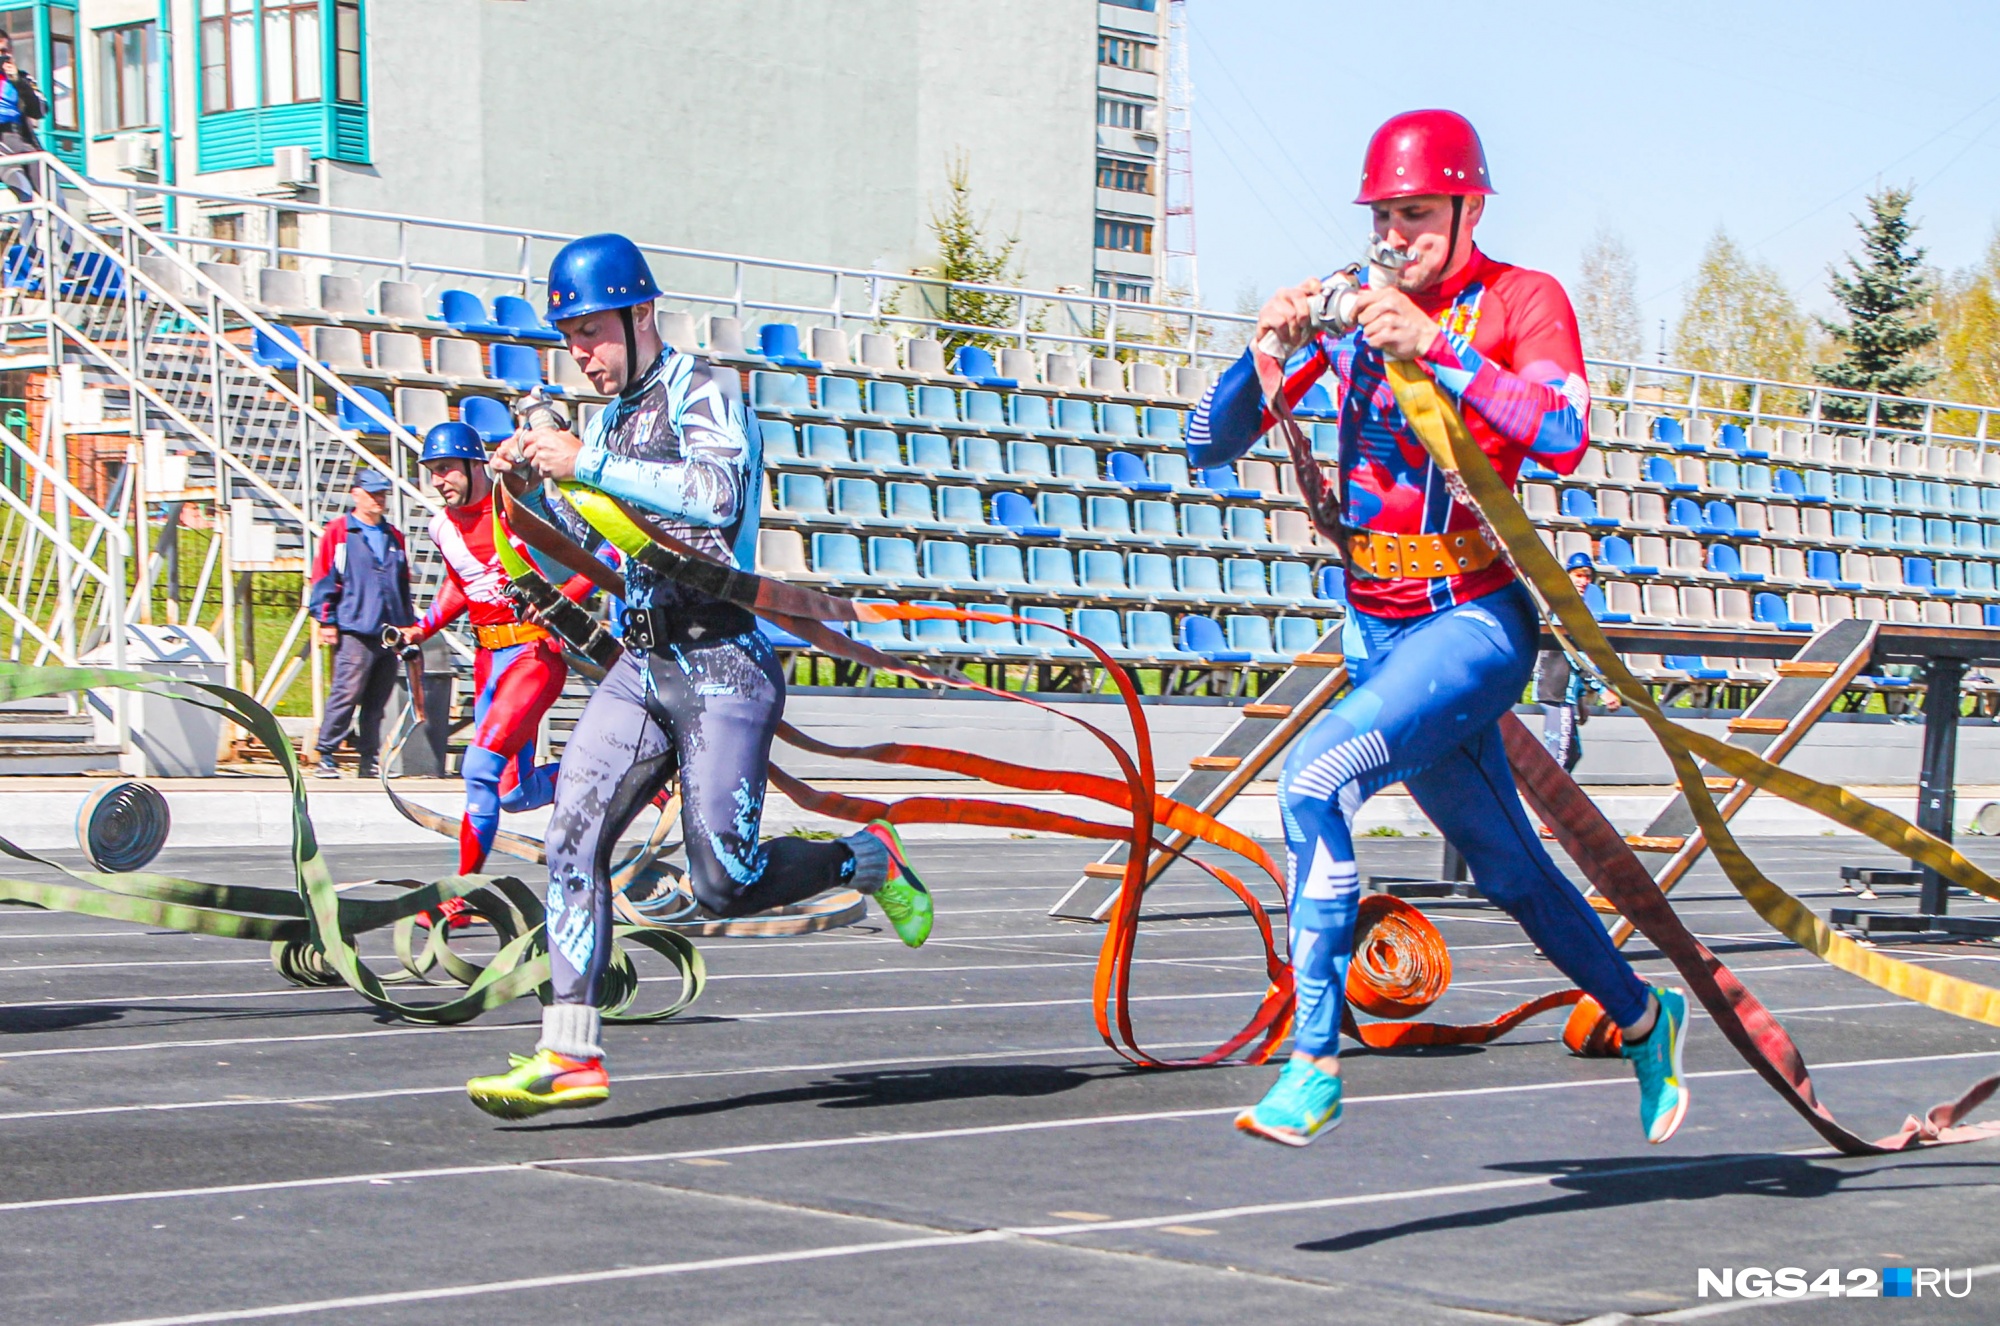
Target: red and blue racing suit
{"points": [[515, 684], [1434, 662]]}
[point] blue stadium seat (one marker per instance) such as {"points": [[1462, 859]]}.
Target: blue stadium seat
{"points": [[1201, 521], [352, 418], [980, 455], [1108, 517], [892, 558], [931, 451], [1993, 538], [1126, 468], [883, 635], [779, 391], [1950, 575], [1684, 514], [1029, 412], [1154, 518], [1788, 483], [1989, 501], [826, 444], [1013, 511], [976, 362], [1243, 577], [1668, 430], [1725, 560], [1077, 464], [1818, 486], [858, 499], [1298, 635], [1152, 634], [1992, 614], [1326, 441], [1221, 480], [1100, 570], [1044, 633], [282, 353], [1170, 468], [1063, 511], [1660, 470], [1100, 626], [1076, 417], [518, 316], [1878, 490], [890, 400], [1917, 573], [1616, 552], [1878, 529], [1724, 476], [778, 637], [1533, 469], [1939, 536], [995, 637], [1756, 479], [487, 417], [1909, 534], [947, 562], [837, 555], [1203, 635], [1937, 496], [1730, 437], [1593, 599], [911, 502], [1118, 421], [840, 396], [878, 446], [802, 494], [1200, 576], [1000, 564], [1968, 536], [467, 312], [959, 505], [1151, 572], [1909, 495], [1979, 577], [1051, 569], [1694, 666], [940, 403], [1720, 518], [1252, 635], [984, 409], [1582, 504], [1316, 403], [1847, 526], [1291, 581], [939, 633], [1164, 425], [1029, 460], [779, 343], [1965, 499], [780, 440], [1333, 584], [1248, 524]]}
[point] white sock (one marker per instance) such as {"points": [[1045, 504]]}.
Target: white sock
{"points": [[572, 1030]]}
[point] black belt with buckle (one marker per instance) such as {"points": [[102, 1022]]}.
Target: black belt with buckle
{"points": [[652, 630]]}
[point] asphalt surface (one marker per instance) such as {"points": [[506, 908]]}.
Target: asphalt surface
{"points": [[846, 1130]]}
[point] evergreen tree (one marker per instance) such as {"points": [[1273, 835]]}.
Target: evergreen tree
{"points": [[1883, 292], [965, 254]]}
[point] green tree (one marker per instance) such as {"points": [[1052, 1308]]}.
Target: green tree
{"points": [[1739, 318], [1968, 314], [1882, 340], [966, 254]]}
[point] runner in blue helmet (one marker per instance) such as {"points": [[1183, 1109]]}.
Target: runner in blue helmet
{"points": [[697, 693]]}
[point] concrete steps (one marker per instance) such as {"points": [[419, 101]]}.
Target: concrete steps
{"points": [[39, 736]]}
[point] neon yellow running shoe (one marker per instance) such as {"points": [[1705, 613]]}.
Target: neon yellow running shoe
{"points": [[539, 1082], [902, 897]]}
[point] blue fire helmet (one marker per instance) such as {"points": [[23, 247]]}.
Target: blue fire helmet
{"points": [[596, 273], [453, 441], [1577, 561]]}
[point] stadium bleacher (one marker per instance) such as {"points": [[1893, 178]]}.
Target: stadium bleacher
{"points": [[1059, 487]]}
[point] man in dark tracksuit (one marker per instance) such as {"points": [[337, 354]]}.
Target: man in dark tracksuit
{"points": [[697, 693], [361, 583]]}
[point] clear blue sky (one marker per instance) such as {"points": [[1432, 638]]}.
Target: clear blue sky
{"points": [[1661, 121]]}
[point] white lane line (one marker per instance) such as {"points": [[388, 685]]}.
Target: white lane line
{"points": [[900, 1138]]}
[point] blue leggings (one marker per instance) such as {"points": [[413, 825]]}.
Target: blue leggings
{"points": [[1424, 710]]}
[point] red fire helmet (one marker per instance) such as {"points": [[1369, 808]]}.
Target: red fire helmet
{"points": [[1424, 151]]}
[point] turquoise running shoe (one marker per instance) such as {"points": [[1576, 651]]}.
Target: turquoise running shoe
{"points": [[1663, 1094], [902, 897], [1302, 1103]]}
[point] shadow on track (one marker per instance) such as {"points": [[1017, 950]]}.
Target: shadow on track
{"points": [[1596, 1185]]}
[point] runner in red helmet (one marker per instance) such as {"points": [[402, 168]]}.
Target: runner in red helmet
{"points": [[1440, 637]]}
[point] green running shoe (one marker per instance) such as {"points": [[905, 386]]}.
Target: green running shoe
{"points": [[541, 1081], [1663, 1096], [1301, 1104], [902, 897]]}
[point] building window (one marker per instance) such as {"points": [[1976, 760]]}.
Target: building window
{"points": [[1124, 236], [291, 51], [62, 68], [1124, 176], [1121, 114], [1125, 292], [228, 54], [1124, 53], [228, 226], [125, 80], [347, 50]]}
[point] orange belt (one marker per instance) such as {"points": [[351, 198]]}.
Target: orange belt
{"points": [[508, 634], [1421, 556]]}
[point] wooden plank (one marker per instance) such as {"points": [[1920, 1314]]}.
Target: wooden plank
{"points": [[1319, 660], [1744, 723], [1215, 762], [1267, 711], [1645, 842], [1792, 667]]}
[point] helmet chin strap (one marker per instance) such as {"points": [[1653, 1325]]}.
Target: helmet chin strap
{"points": [[1451, 249], [631, 349]]}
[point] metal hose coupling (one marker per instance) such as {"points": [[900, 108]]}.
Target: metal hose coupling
{"points": [[1333, 307]]}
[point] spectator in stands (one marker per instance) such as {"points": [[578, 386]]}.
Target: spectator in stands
{"points": [[697, 691], [361, 583], [1560, 685], [1440, 637], [21, 105]]}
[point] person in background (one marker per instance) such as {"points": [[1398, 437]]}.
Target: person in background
{"points": [[361, 583], [21, 105], [1560, 685]]}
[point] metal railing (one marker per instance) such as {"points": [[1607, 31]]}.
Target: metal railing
{"points": [[64, 586]]}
